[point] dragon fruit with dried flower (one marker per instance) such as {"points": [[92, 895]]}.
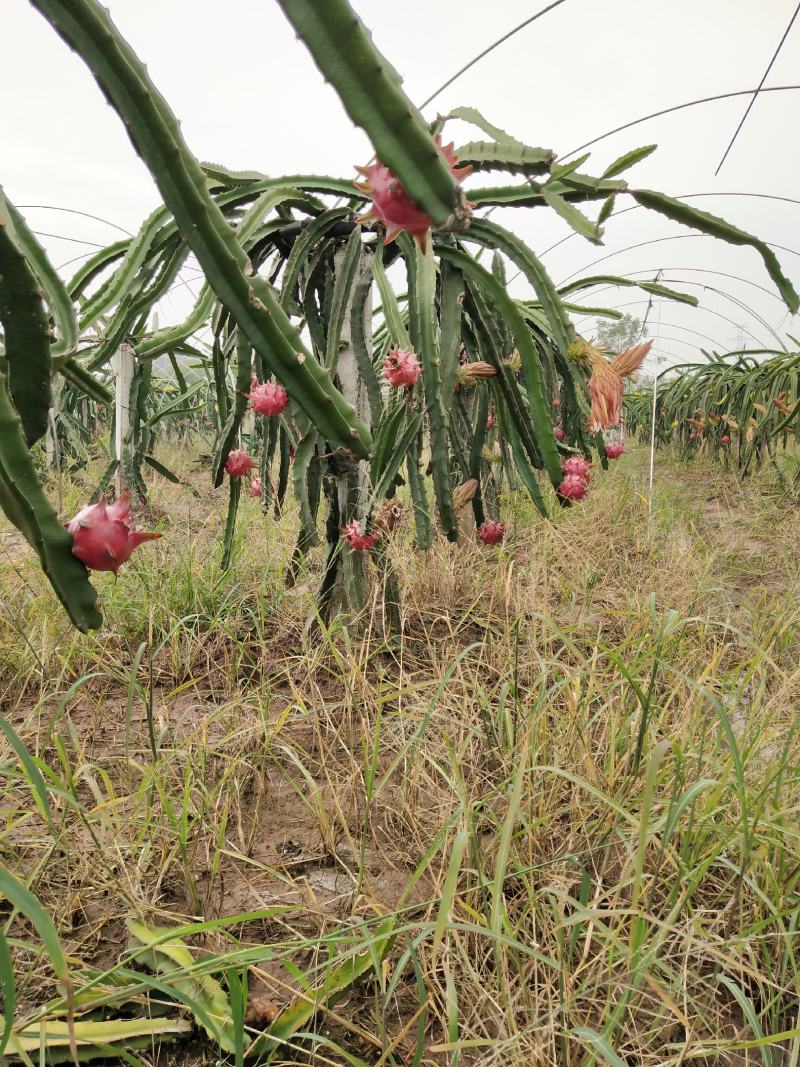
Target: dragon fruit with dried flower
{"points": [[105, 535]]}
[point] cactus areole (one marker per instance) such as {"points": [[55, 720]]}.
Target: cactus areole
{"points": [[392, 205], [104, 536]]}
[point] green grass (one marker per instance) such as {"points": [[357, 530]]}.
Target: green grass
{"points": [[568, 790]]}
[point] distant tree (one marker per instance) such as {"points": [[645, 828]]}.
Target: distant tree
{"points": [[617, 335]]}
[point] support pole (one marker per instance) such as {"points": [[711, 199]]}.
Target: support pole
{"points": [[124, 365]]}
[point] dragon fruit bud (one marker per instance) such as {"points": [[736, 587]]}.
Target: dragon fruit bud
{"points": [[392, 205], [614, 449], [559, 433], [725, 440], [577, 466], [491, 532], [104, 536], [514, 361], [255, 487], [490, 423], [469, 373], [555, 402], [238, 463], [464, 493], [401, 367], [356, 539], [267, 399], [573, 488]]}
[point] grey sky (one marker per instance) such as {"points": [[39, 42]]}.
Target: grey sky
{"points": [[249, 96]]}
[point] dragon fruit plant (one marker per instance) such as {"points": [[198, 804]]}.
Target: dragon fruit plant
{"points": [[459, 371], [728, 398]]}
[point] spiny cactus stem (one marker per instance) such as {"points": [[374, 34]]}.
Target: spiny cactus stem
{"points": [[156, 136]]}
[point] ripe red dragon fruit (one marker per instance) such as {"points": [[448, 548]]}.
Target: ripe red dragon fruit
{"points": [[267, 398], [357, 539], [725, 440], [559, 433], [491, 532], [490, 423], [238, 463], [614, 449], [573, 488], [401, 367], [392, 205], [105, 535], [255, 487], [695, 435], [577, 466]]}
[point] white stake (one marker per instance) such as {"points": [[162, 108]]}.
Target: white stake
{"points": [[124, 363], [653, 423]]}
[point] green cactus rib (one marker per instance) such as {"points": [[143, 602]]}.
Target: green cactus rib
{"points": [[423, 523], [531, 367], [491, 235], [303, 245], [370, 90], [487, 327], [616, 280], [109, 294], [95, 265], [705, 222], [230, 431], [24, 502], [77, 375], [423, 310], [26, 335], [55, 293], [155, 134]]}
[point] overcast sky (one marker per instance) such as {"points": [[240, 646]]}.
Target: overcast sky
{"points": [[249, 96]]}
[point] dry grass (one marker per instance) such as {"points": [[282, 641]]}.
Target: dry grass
{"points": [[573, 779]]}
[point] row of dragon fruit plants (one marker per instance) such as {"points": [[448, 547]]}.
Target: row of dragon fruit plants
{"points": [[448, 384]]}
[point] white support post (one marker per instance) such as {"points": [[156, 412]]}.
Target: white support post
{"points": [[124, 364], [653, 423]]}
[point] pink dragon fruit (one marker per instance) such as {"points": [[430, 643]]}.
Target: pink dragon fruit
{"points": [[104, 536], [392, 205], [559, 433], [573, 488], [491, 422], [238, 463], [614, 449], [725, 440], [267, 398], [255, 487], [356, 539], [401, 367], [491, 532], [577, 466]]}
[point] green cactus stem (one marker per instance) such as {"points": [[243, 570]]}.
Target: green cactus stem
{"points": [[371, 92], [156, 136], [24, 502]]}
